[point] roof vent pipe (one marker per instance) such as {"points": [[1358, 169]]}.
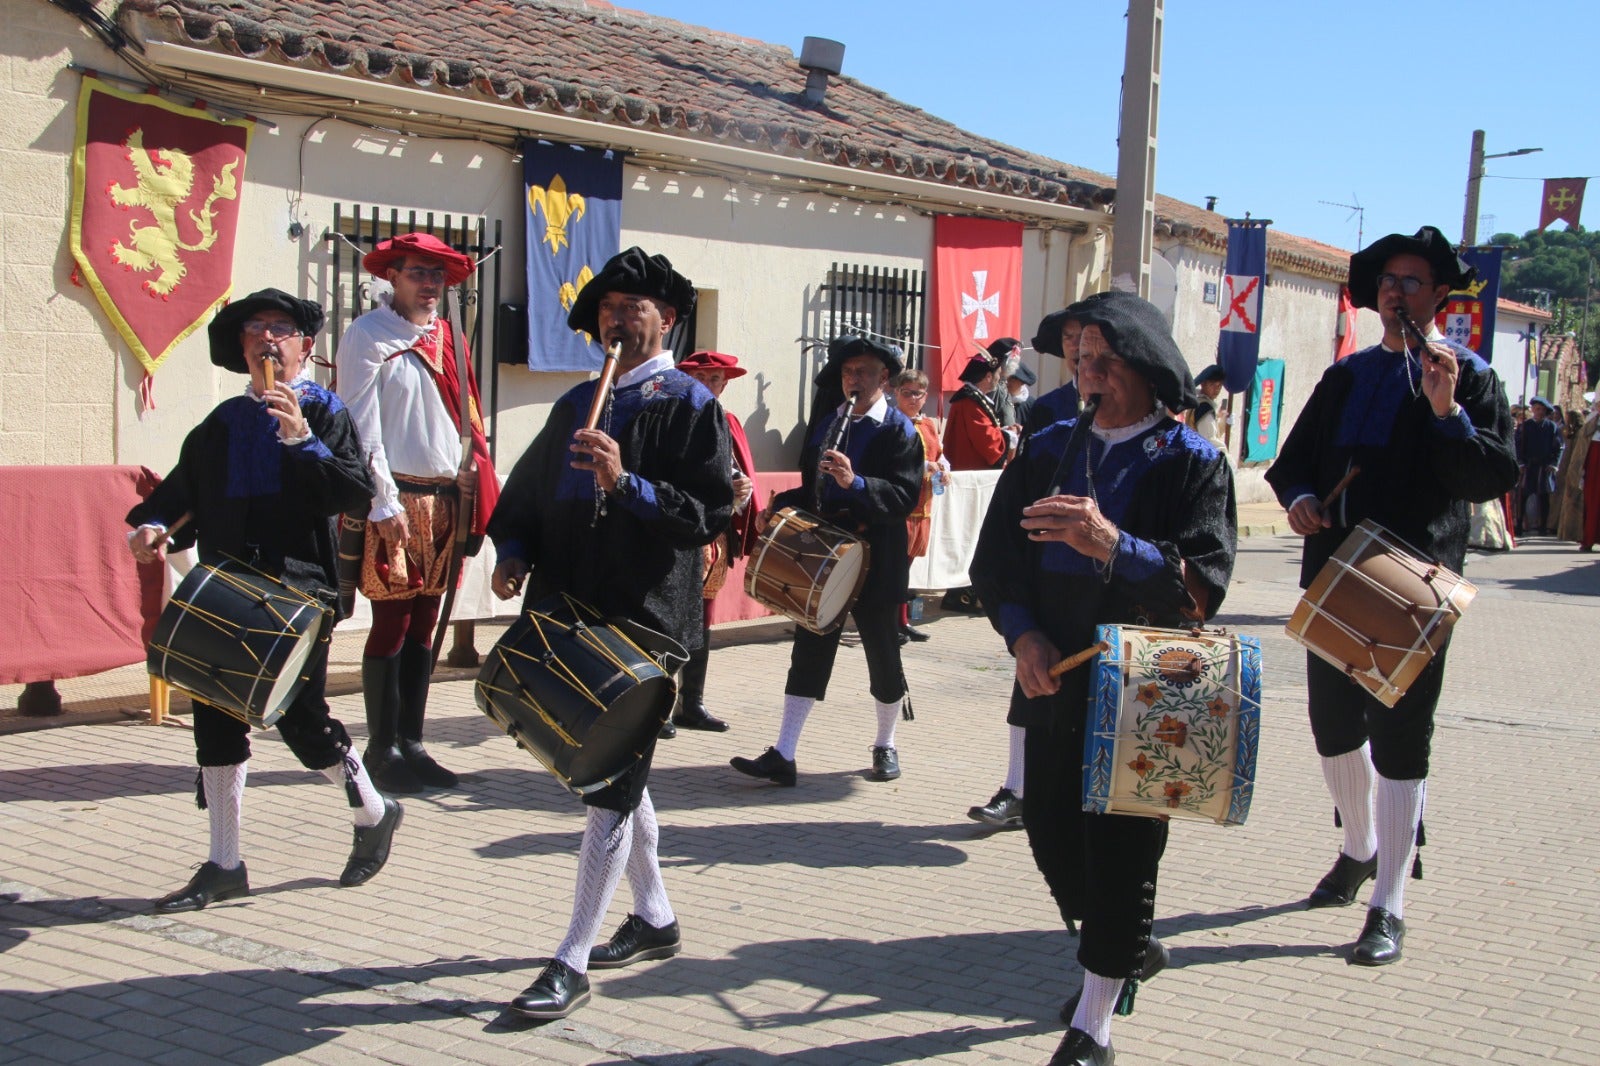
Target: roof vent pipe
{"points": [[820, 57]]}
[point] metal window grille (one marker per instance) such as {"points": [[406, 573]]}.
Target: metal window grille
{"points": [[887, 303], [358, 228]]}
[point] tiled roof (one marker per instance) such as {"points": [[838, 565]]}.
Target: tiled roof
{"points": [[1525, 310], [591, 60]]}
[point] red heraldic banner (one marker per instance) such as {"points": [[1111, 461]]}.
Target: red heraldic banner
{"points": [[155, 205], [977, 290], [1563, 201]]}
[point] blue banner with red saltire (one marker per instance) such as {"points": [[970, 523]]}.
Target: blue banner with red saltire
{"points": [[574, 214], [1243, 282], [1468, 314]]}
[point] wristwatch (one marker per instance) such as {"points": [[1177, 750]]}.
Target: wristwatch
{"points": [[624, 485]]}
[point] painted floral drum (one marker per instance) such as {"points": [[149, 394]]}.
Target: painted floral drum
{"points": [[1174, 724]]}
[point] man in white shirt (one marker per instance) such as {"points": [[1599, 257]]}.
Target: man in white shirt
{"points": [[399, 374]]}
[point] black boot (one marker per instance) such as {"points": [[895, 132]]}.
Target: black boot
{"points": [[416, 669], [380, 685]]}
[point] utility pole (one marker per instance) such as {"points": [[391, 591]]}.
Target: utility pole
{"points": [[1469, 222], [1134, 214]]}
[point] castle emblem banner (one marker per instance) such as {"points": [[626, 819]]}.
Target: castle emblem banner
{"points": [[1468, 314], [155, 206], [574, 204]]}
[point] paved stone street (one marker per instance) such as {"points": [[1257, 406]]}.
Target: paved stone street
{"points": [[842, 921]]}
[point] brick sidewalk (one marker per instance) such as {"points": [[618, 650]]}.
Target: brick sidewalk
{"points": [[843, 921]]}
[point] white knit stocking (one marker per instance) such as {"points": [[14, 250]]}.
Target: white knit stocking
{"points": [[888, 715], [1014, 760], [1351, 780], [224, 788], [1095, 1006], [367, 803], [795, 711], [607, 839], [644, 868], [1399, 811]]}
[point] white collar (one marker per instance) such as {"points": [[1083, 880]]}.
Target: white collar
{"points": [[1113, 437], [654, 365], [876, 413]]}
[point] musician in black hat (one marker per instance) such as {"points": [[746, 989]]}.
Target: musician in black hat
{"points": [[975, 434], [260, 480], [866, 483], [1207, 418], [1428, 428], [616, 517], [1123, 515]]}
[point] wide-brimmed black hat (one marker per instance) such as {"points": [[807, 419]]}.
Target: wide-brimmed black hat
{"points": [[226, 349], [1002, 348], [979, 367], [1138, 333], [1365, 266], [850, 345], [1048, 337], [636, 274]]}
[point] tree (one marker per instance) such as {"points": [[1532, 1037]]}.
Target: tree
{"points": [[1565, 264]]}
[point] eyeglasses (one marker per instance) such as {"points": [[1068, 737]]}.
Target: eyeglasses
{"points": [[256, 328], [913, 394], [627, 306], [1408, 284], [424, 274]]}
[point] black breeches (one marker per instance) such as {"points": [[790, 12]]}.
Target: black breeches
{"points": [[692, 682], [1101, 868], [811, 660], [1345, 716], [317, 739]]}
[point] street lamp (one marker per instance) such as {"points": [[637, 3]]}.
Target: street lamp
{"points": [[1469, 224]]}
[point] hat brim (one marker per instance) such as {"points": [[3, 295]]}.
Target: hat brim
{"points": [[224, 328], [1427, 243], [457, 267]]}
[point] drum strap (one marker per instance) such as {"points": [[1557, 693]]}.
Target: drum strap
{"points": [[672, 654]]}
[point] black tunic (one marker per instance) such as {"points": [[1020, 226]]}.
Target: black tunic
{"points": [[641, 559], [1418, 473]]}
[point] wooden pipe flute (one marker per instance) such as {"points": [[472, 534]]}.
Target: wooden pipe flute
{"points": [[602, 388], [1409, 326]]}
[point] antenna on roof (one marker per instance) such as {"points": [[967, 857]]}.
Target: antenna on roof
{"points": [[820, 57], [1357, 212]]}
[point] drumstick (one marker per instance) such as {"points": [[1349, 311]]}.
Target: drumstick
{"points": [[1338, 490], [1072, 662], [166, 534]]}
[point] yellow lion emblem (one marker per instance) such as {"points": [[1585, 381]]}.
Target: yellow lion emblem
{"points": [[166, 178]]}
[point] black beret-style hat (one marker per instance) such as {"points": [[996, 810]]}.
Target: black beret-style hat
{"points": [[1138, 333], [850, 345], [226, 349], [1365, 266], [1209, 374], [1024, 374], [636, 274], [979, 367]]}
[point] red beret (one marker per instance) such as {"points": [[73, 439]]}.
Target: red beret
{"points": [[457, 267], [728, 364]]}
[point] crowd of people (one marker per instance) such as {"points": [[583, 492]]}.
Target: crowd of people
{"points": [[1114, 505]]}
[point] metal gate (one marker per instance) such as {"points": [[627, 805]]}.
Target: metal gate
{"points": [[357, 231], [887, 303]]}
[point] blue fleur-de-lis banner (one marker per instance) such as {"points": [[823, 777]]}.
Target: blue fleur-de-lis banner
{"points": [[574, 215], [1244, 282]]}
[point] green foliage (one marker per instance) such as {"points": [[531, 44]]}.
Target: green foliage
{"points": [[1563, 263]]}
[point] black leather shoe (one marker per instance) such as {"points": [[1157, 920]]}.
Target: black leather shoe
{"points": [[769, 764], [1339, 887], [1381, 939], [1079, 1049], [557, 993], [210, 884], [1156, 957], [1004, 811], [424, 768], [389, 771], [371, 848], [915, 635], [668, 730], [885, 764], [695, 716], [636, 941]]}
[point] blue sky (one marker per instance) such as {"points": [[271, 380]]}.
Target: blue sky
{"points": [[1269, 106]]}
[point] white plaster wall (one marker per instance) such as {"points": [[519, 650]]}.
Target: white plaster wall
{"points": [[1518, 370]]}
